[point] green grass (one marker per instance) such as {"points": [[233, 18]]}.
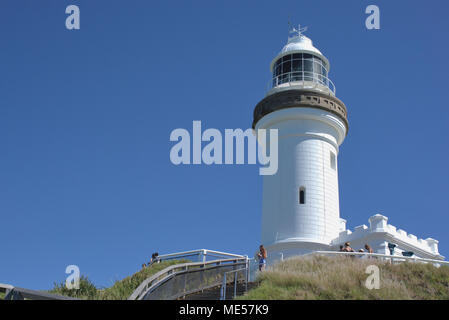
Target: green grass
{"points": [[120, 290], [341, 278]]}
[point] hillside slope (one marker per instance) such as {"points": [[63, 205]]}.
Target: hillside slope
{"points": [[320, 277], [120, 290]]}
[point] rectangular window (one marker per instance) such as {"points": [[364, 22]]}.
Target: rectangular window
{"points": [[302, 195], [333, 164]]}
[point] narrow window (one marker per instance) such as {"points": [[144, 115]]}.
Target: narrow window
{"points": [[332, 160], [302, 195]]}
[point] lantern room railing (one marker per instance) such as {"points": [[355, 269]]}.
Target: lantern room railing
{"points": [[303, 79]]}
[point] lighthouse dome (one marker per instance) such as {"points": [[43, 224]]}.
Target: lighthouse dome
{"points": [[300, 43]]}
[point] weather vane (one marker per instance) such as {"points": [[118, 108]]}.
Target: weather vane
{"points": [[299, 31]]}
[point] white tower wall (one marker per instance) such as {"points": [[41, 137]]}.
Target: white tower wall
{"points": [[307, 136]]}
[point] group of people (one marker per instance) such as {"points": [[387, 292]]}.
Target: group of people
{"points": [[262, 253], [154, 259], [347, 248]]}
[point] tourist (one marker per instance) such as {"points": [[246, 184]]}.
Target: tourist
{"points": [[154, 258], [262, 255], [368, 248], [348, 248]]}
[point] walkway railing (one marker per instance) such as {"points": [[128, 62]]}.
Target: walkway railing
{"points": [[199, 255], [16, 293], [391, 258], [183, 279]]}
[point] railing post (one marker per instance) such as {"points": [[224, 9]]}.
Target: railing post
{"points": [[223, 288], [13, 295], [235, 283], [246, 274], [8, 294], [185, 278]]}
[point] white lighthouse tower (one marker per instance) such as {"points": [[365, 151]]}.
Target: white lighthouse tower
{"points": [[301, 201]]}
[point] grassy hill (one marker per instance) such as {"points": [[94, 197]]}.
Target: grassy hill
{"points": [[121, 289], [322, 277], [312, 277]]}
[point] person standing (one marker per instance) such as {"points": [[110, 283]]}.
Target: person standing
{"points": [[368, 248], [262, 255], [347, 247]]}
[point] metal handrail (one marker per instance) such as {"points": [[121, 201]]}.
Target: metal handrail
{"points": [[293, 78], [379, 255], [201, 253], [16, 293], [152, 283]]}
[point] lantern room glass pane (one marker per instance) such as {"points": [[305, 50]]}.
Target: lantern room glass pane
{"points": [[286, 58], [307, 56], [286, 67], [278, 70], [308, 65], [297, 65]]}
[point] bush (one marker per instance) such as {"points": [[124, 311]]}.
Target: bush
{"points": [[87, 289]]}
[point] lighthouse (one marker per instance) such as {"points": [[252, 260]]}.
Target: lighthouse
{"points": [[300, 209]]}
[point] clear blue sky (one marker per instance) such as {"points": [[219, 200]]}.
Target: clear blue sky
{"points": [[85, 120]]}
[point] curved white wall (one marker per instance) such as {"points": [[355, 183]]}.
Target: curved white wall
{"points": [[306, 138]]}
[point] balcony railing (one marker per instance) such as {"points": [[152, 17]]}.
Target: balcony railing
{"points": [[303, 79]]}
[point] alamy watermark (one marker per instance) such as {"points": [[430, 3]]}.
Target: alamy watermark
{"points": [[373, 280], [190, 150], [73, 20], [373, 20], [73, 280]]}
